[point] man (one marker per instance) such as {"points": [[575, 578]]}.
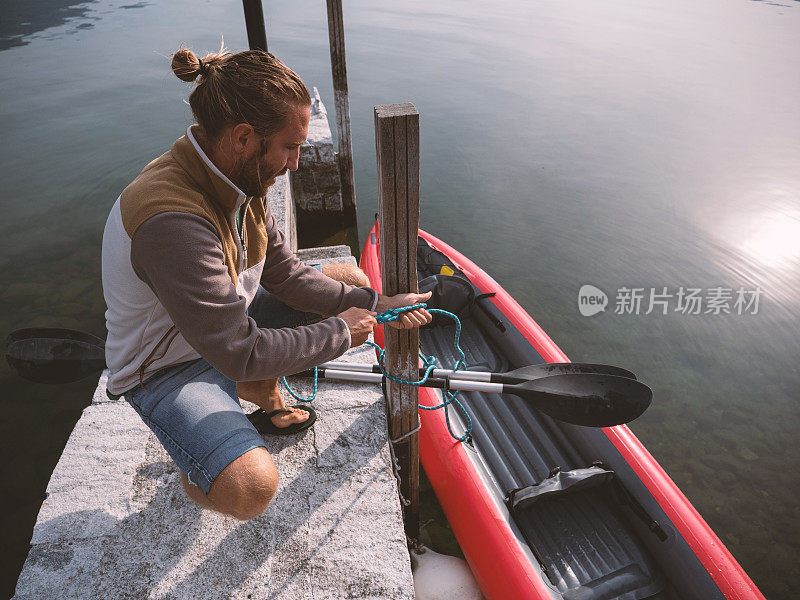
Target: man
{"points": [[206, 301]]}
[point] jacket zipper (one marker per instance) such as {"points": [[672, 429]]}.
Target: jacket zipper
{"points": [[239, 234]]}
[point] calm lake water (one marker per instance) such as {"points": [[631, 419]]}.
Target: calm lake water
{"points": [[623, 144]]}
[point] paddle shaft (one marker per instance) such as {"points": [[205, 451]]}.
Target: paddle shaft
{"points": [[438, 373], [441, 383]]}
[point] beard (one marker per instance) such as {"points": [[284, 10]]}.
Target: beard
{"points": [[254, 178]]}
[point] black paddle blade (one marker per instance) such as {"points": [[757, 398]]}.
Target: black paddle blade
{"points": [[52, 355], [587, 399], [546, 369]]}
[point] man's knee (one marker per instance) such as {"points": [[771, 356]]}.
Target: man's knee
{"points": [[245, 487], [349, 274]]}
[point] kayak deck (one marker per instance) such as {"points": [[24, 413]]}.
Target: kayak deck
{"points": [[581, 539]]}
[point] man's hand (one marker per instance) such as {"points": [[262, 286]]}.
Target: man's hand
{"points": [[361, 322], [407, 320]]}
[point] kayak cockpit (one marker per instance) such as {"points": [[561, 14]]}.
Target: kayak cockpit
{"points": [[592, 541]]}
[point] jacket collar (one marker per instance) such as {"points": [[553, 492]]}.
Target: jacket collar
{"points": [[189, 155]]}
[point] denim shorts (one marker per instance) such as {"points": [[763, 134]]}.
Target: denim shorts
{"points": [[194, 410]]}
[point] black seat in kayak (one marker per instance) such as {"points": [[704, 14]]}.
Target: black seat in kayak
{"points": [[560, 516], [451, 293]]}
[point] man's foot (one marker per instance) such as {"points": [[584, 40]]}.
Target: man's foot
{"points": [[267, 396], [298, 415]]}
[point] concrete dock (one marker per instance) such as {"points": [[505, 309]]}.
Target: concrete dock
{"points": [[117, 524]]}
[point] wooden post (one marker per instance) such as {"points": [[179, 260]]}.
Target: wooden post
{"points": [[339, 72], [397, 146], [254, 21]]}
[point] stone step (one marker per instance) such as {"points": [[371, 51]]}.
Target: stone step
{"points": [[326, 255]]}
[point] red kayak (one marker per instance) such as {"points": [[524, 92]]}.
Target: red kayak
{"points": [[543, 509]]}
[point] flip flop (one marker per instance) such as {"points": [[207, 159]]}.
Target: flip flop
{"points": [[262, 421]]}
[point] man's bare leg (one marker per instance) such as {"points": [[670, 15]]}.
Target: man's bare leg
{"points": [[196, 494], [349, 274], [243, 489]]}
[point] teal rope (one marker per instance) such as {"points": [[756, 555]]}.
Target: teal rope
{"points": [[300, 398], [450, 396], [393, 314]]}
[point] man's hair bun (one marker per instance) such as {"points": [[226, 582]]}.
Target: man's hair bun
{"points": [[186, 65]]}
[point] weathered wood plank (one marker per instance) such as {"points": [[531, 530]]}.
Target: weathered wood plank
{"points": [[342, 103], [397, 149], [412, 224], [401, 264], [384, 145]]}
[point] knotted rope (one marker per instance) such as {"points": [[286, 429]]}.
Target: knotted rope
{"points": [[450, 396]]}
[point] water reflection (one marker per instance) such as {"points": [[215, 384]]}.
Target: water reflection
{"points": [[774, 239], [21, 19], [758, 241]]}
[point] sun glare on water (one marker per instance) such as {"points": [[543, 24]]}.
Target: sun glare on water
{"points": [[774, 239]]}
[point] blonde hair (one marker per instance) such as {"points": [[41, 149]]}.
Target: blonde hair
{"points": [[250, 87]]}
